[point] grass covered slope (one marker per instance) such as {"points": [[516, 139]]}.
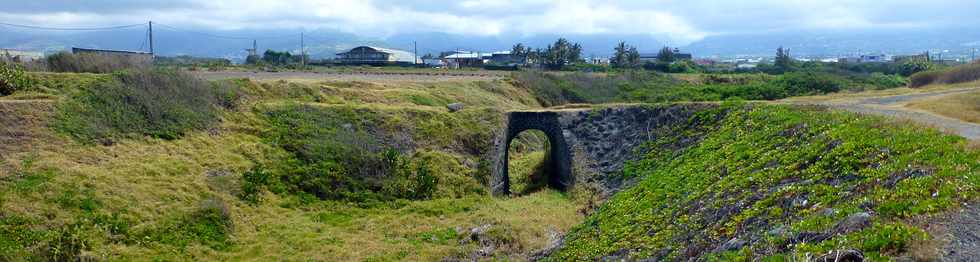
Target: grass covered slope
{"points": [[777, 182], [349, 171]]}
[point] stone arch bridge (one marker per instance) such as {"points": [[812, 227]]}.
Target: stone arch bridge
{"points": [[588, 144]]}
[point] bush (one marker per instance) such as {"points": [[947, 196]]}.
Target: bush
{"points": [[210, 224], [13, 78], [961, 74], [921, 79], [332, 157], [157, 103], [911, 67], [94, 63], [808, 83]]}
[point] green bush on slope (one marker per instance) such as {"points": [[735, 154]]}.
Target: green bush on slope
{"points": [[364, 154], [780, 180], [13, 78], [637, 86], [157, 103]]}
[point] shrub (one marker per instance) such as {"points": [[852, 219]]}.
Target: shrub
{"points": [[921, 79], [911, 67], [13, 78], [94, 63], [156, 103], [210, 224], [961, 74], [806, 83]]}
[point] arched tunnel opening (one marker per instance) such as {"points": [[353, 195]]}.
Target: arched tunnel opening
{"points": [[554, 168], [529, 162]]}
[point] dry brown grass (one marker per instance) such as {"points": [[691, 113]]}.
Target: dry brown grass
{"points": [[962, 106]]}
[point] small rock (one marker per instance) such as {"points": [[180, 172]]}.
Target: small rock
{"points": [[477, 233], [733, 244], [778, 231], [849, 255], [800, 201], [853, 222], [454, 107]]}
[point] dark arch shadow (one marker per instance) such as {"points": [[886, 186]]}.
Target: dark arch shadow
{"points": [[537, 169], [560, 166]]}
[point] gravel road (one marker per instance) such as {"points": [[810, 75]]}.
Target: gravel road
{"points": [[894, 106]]}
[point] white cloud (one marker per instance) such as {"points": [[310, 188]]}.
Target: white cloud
{"points": [[677, 21]]}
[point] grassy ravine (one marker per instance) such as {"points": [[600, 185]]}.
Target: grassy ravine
{"points": [[357, 171], [782, 179], [188, 196]]}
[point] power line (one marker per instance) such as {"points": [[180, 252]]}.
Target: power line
{"points": [[72, 28]]}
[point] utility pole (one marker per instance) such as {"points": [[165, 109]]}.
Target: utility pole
{"points": [[415, 54], [151, 38], [302, 47], [973, 56]]}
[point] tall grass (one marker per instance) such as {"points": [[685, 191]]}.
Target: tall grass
{"points": [[94, 63], [953, 75], [156, 103]]}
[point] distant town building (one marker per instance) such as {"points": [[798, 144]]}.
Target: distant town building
{"points": [[907, 58], [370, 55], [653, 57], [19, 55], [135, 55], [505, 58], [872, 58], [876, 58], [461, 59], [705, 62], [433, 62], [598, 60]]}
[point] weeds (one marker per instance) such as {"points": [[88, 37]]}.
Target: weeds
{"points": [[160, 104], [953, 75], [13, 79], [800, 173], [95, 63]]}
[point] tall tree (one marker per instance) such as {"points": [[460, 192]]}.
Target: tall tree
{"points": [[619, 57], [666, 55], [783, 59], [633, 57], [519, 50], [561, 53]]}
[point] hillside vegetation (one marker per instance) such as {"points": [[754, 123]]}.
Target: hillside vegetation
{"points": [[157, 165], [153, 164], [780, 183], [953, 75], [649, 87]]}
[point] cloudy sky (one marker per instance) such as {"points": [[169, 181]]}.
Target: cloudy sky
{"points": [[675, 21]]}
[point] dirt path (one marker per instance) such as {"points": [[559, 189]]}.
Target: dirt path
{"points": [[894, 106]]}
